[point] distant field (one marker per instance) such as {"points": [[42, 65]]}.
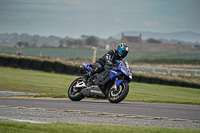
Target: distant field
{"points": [[88, 53], [54, 52], [57, 84], [168, 61]]}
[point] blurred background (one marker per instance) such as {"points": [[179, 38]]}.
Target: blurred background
{"points": [[160, 34]]}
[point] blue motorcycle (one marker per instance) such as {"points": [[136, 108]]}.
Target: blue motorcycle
{"points": [[112, 83]]}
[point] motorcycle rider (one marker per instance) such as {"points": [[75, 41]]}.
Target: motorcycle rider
{"points": [[109, 58]]}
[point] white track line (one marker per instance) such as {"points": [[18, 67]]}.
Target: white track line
{"points": [[18, 120]]}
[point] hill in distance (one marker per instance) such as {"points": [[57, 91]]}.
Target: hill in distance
{"points": [[182, 35]]}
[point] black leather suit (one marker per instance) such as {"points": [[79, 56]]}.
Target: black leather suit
{"points": [[108, 58]]}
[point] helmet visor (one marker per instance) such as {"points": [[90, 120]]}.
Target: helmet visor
{"points": [[124, 53]]}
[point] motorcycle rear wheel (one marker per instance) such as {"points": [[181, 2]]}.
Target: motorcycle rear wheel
{"points": [[120, 94], [73, 93]]}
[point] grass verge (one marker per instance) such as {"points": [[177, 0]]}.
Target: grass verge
{"points": [[56, 85], [14, 127], [162, 94]]}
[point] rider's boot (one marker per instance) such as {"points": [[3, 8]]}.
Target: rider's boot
{"points": [[86, 76]]}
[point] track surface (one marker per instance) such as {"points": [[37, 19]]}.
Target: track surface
{"points": [[171, 111]]}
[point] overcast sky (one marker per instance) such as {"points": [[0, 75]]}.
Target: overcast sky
{"points": [[101, 18]]}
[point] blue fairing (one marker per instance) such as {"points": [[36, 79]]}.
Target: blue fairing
{"points": [[122, 68], [118, 82], [113, 74], [87, 67]]}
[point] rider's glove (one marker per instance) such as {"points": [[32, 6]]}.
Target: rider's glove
{"points": [[109, 63]]}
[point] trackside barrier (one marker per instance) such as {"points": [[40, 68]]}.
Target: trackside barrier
{"points": [[36, 65], [142, 79], [155, 81], [58, 67], [14, 62], [48, 66], [69, 70], [4, 61], [25, 63]]}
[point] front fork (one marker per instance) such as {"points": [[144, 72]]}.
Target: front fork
{"points": [[114, 87], [117, 82]]}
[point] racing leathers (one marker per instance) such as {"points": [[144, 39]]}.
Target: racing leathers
{"points": [[108, 58]]}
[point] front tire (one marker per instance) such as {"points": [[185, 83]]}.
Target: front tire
{"points": [[73, 93], [116, 96]]}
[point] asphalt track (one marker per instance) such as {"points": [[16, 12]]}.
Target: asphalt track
{"points": [[134, 109]]}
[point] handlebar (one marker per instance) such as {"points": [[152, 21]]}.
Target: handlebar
{"points": [[110, 67]]}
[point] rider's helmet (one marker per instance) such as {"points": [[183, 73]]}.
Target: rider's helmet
{"points": [[122, 50]]}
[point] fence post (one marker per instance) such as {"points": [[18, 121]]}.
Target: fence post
{"points": [[185, 73], [196, 70], [66, 56], [40, 53], [153, 70], [19, 51], [95, 53], [192, 75], [168, 72]]}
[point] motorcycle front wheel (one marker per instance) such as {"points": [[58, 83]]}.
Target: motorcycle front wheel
{"points": [[117, 95], [74, 94]]}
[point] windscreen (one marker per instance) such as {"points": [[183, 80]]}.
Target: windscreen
{"points": [[126, 64]]}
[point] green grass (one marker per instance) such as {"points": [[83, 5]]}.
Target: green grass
{"points": [[14, 127], [35, 81], [163, 94], [56, 85]]}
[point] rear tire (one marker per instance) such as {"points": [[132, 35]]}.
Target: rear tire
{"points": [[120, 94], [76, 96]]}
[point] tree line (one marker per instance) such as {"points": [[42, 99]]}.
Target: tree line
{"points": [[90, 41]]}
